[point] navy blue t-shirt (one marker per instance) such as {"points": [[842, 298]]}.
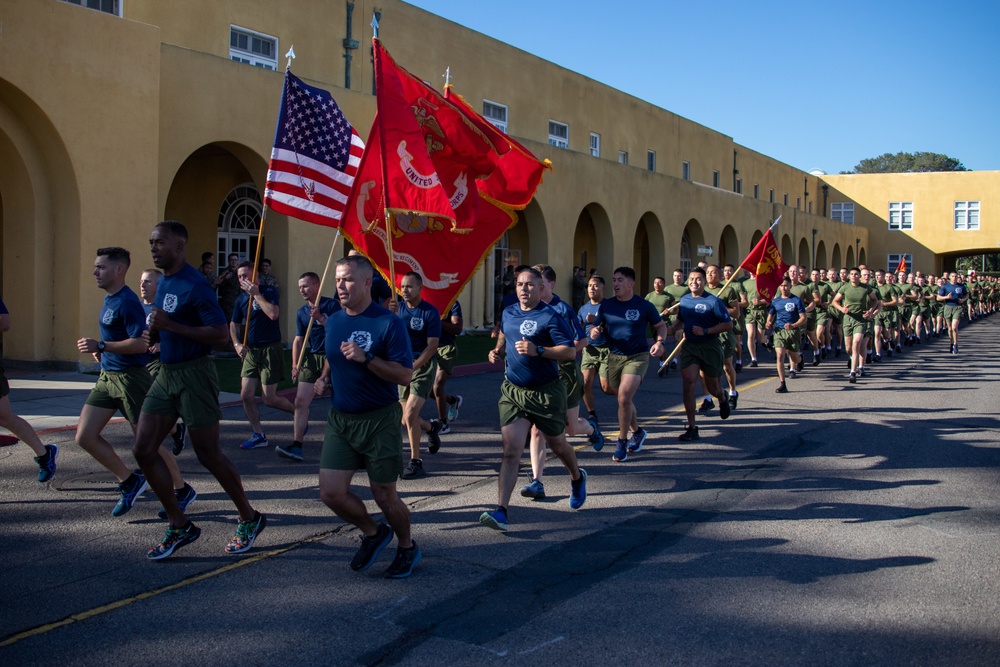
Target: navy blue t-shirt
{"points": [[591, 309], [263, 330], [189, 300], [422, 322], [786, 311], [449, 338], [954, 293], [541, 325], [317, 335], [356, 389], [566, 312], [704, 312], [122, 317], [624, 323]]}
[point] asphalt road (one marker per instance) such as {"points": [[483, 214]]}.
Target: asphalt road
{"points": [[835, 525]]}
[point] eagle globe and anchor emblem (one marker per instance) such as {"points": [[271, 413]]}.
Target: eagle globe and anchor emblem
{"points": [[529, 328], [363, 339]]}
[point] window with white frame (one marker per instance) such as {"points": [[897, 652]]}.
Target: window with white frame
{"points": [[495, 114], [106, 6], [651, 160], [595, 144], [892, 262], [966, 215], [622, 157], [842, 212], [715, 178], [900, 215], [686, 170], [253, 48], [558, 134]]}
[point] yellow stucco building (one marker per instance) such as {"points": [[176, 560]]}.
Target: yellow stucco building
{"points": [[116, 114]]}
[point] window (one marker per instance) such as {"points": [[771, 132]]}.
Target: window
{"points": [[842, 212], [558, 134], [253, 48], [810, 207], [771, 197], [892, 262], [739, 186], [786, 199], [966, 215], [900, 215], [622, 157], [686, 171], [798, 203], [715, 179], [756, 191], [496, 114], [651, 160], [106, 6], [595, 144]]}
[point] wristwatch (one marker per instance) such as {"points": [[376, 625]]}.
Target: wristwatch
{"points": [[540, 350], [368, 358], [100, 346]]}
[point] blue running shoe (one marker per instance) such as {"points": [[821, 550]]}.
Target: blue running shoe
{"points": [[130, 490], [636, 441], [578, 491], [497, 519], [404, 562], [621, 452], [256, 440], [185, 497], [535, 490], [371, 547], [47, 463], [596, 439]]}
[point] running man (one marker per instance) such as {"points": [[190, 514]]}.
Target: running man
{"points": [[858, 302], [704, 318], [188, 322], [312, 363], [368, 350], [448, 406], [594, 364], [534, 339], [263, 358], [786, 316], [953, 296]]}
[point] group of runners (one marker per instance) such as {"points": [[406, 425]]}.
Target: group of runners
{"points": [[382, 358]]}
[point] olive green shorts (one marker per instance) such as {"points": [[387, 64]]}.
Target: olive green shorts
{"points": [[855, 325], [422, 381], [707, 355], [756, 316], [312, 367], [595, 359], [885, 319], [124, 391], [953, 312], [266, 364], [811, 321], [446, 356], [572, 379], [372, 440], [728, 344], [788, 340], [189, 389], [620, 364], [544, 407], [153, 366]]}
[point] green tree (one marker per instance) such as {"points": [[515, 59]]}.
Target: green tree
{"points": [[888, 163]]}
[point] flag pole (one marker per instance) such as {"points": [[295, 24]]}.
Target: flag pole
{"points": [[319, 295]]}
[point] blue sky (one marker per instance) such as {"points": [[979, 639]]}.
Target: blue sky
{"points": [[815, 85]]}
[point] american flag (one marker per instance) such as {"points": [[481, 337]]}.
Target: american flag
{"points": [[315, 156]]}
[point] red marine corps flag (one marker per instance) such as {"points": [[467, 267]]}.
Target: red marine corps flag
{"points": [[902, 264], [764, 262], [425, 190]]}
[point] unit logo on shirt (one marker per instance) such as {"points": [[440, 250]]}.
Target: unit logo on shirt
{"points": [[701, 308], [363, 339], [108, 316], [170, 303], [632, 315], [417, 323], [529, 327], [789, 307]]}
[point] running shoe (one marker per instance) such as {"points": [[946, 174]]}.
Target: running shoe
{"points": [[861, 371], [662, 370], [733, 400], [802, 364], [753, 363], [434, 436], [815, 360], [291, 452], [792, 373], [636, 441], [174, 540], [899, 348], [404, 562], [535, 490], [246, 533], [954, 349], [738, 366], [724, 409], [782, 389], [184, 497], [254, 441], [371, 547], [674, 365], [129, 491], [706, 406], [854, 378], [621, 452], [596, 438], [47, 463], [877, 359], [689, 435], [414, 469], [578, 491], [453, 408], [445, 429], [497, 519], [178, 436]]}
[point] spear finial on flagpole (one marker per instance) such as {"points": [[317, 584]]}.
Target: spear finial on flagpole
{"points": [[447, 77], [774, 224], [291, 56], [374, 23]]}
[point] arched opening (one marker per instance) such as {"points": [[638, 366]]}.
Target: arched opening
{"points": [[850, 257], [821, 255], [729, 247], [787, 249], [647, 253], [692, 237], [593, 244], [804, 257], [835, 259], [862, 256]]}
